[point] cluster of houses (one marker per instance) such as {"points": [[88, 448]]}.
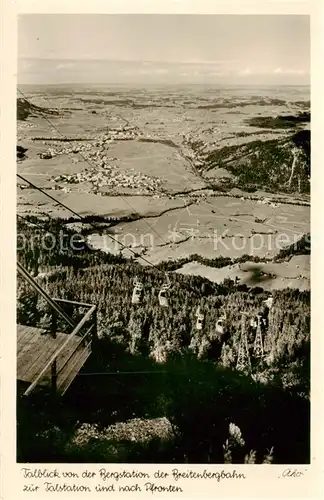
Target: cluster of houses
{"points": [[87, 146], [103, 173], [268, 201], [195, 154], [110, 177]]}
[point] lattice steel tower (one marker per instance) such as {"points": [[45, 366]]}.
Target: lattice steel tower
{"points": [[258, 342], [243, 358]]}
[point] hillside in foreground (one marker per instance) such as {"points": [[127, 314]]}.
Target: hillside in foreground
{"points": [[182, 375], [276, 165]]}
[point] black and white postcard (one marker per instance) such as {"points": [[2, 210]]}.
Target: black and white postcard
{"points": [[159, 176]]}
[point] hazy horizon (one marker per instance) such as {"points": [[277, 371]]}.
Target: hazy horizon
{"points": [[175, 84], [164, 49]]}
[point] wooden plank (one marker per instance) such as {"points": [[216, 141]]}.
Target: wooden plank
{"points": [[47, 365], [33, 360], [24, 338], [46, 347], [31, 349], [36, 347], [69, 372], [63, 357], [25, 335], [83, 340], [68, 375], [28, 347]]}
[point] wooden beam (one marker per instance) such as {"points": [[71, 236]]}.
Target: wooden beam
{"points": [[42, 292], [85, 318], [72, 354], [83, 304], [53, 377]]}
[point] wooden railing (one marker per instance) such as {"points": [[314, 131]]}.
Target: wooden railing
{"points": [[88, 336], [57, 310], [55, 307]]}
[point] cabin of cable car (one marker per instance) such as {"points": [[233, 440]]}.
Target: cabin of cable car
{"points": [[200, 319], [199, 322], [269, 302], [220, 324], [253, 323], [163, 300], [137, 292]]}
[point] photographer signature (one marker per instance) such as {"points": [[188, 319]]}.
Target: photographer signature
{"points": [[292, 473]]}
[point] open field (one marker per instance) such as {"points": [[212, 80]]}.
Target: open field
{"points": [[294, 273], [214, 227], [141, 153]]}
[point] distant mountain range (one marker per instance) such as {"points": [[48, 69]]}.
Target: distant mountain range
{"points": [[38, 71]]}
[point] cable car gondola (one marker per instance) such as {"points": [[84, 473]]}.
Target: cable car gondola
{"points": [[269, 302], [200, 319], [253, 323], [220, 324], [163, 300], [137, 292]]}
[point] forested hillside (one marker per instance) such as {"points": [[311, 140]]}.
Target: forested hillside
{"points": [[200, 365], [26, 109], [278, 165], [93, 277]]}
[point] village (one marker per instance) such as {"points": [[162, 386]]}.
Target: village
{"points": [[102, 172]]}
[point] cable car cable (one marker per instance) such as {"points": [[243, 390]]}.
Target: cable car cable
{"points": [[92, 166], [81, 217]]}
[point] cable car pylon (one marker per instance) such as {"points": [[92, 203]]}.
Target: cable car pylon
{"points": [[258, 342], [243, 358]]}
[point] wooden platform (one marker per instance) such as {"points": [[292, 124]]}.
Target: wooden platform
{"points": [[35, 349]]}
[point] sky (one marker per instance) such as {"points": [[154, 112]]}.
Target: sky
{"points": [[158, 49]]}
